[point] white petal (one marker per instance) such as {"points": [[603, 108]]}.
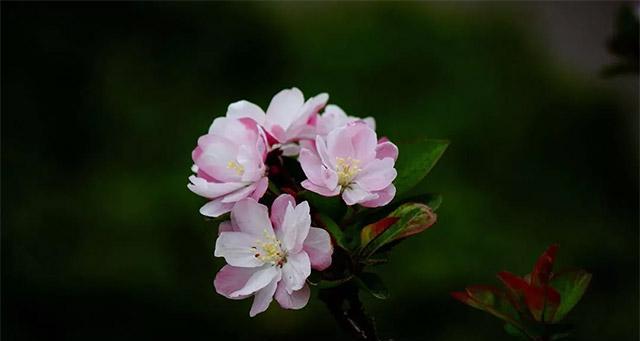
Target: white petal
{"points": [[295, 227], [263, 298], [251, 217], [236, 248], [295, 271], [258, 280], [295, 300], [246, 109]]}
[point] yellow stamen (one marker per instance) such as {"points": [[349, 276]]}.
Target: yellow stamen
{"points": [[347, 169], [235, 166], [270, 250]]}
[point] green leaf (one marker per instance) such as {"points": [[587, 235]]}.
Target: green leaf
{"points": [[571, 286], [372, 284], [415, 161], [404, 221], [330, 206], [491, 300], [515, 331], [332, 228]]}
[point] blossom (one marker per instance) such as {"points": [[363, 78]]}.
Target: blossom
{"points": [[334, 117], [352, 162], [287, 119], [229, 165], [270, 257]]}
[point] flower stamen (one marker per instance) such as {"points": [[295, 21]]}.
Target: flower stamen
{"points": [[347, 169]]}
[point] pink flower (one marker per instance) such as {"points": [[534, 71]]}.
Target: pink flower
{"points": [[270, 257], [229, 165], [334, 117], [352, 162], [287, 118]]}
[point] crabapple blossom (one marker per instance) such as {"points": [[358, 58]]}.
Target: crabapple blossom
{"points": [[334, 117], [352, 162], [229, 165], [287, 118], [270, 257]]}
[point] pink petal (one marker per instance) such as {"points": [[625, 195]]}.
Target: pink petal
{"points": [[295, 300], [386, 149], [246, 109], [364, 141], [251, 217], [327, 160], [212, 190], [295, 227], [230, 279], [311, 166], [306, 184], [384, 197], [236, 248], [279, 209], [318, 247], [284, 107], [354, 194], [215, 208], [377, 175], [239, 194], [227, 226], [295, 271], [258, 280], [261, 188], [263, 298]]}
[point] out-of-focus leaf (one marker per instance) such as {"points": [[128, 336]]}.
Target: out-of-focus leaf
{"points": [[491, 300], [516, 287], [332, 227], [405, 221], [571, 286], [316, 280], [330, 206], [373, 230], [373, 284], [515, 331], [542, 270], [415, 161]]}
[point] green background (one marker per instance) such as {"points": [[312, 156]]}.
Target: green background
{"points": [[103, 103]]}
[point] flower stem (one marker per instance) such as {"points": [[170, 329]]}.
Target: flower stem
{"points": [[345, 306]]}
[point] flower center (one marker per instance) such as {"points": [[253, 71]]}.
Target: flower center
{"points": [[347, 169], [236, 166], [270, 250]]}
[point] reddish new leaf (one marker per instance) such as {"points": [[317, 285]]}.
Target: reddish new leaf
{"points": [[542, 270]]}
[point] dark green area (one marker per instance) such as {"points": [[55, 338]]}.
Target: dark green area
{"points": [[102, 105]]}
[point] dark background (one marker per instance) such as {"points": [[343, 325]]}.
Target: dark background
{"points": [[102, 105]]}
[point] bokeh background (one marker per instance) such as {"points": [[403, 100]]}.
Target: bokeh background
{"points": [[102, 105]]}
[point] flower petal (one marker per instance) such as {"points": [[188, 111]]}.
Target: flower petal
{"points": [[306, 184], [386, 149], [311, 166], [318, 247], [246, 109], [261, 188], [354, 194], [236, 248], [384, 197], [212, 190], [230, 279], [239, 194], [251, 217], [377, 174], [295, 227], [263, 298], [295, 300], [285, 107], [215, 208], [258, 280], [295, 271], [279, 209]]}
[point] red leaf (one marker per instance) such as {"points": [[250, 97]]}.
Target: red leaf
{"points": [[542, 270], [516, 287]]}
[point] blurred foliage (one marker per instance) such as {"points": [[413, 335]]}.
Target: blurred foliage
{"points": [[102, 104]]}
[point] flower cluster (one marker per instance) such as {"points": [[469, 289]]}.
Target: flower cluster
{"points": [[249, 156]]}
